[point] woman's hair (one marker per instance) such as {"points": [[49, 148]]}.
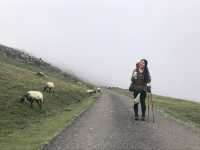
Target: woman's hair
{"points": [[146, 70], [137, 65]]}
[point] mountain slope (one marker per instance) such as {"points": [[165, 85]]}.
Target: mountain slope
{"points": [[22, 59], [17, 76]]}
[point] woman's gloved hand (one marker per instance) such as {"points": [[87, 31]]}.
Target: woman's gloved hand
{"points": [[149, 87]]}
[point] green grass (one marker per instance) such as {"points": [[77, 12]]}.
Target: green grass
{"points": [[24, 128], [42, 131], [186, 111]]}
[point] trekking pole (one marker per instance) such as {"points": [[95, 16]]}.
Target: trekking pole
{"points": [[148, 105], [152, 107]]}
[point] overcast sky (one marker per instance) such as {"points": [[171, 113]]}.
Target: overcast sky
{"points": [[101, 40]]}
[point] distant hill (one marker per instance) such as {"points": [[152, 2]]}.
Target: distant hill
{"points": [[22, 59]]}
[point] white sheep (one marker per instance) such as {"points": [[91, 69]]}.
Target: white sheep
{"points": [[42, 74], [90, 91], [79, 83], [32, 96], [49, 86], [98, 89]]}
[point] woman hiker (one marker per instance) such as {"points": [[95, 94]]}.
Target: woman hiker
{"points": [[140, 78]]}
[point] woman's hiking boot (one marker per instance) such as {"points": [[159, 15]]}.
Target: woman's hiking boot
{"points": [[136, 117], [143, 118]]}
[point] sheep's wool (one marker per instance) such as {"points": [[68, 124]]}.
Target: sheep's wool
{"points": [[50, 84], [90, 91], [36, 95]]}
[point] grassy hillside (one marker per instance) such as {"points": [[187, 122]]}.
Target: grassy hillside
{"points": [[22, 127], [22, 59], [186, 111]]}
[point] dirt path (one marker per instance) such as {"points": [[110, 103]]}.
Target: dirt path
{"points": [[110, 124]]}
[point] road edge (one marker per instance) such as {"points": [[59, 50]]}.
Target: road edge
{"points": [[75, 117]]}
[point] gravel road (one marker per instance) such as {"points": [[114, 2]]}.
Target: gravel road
{"points": [[109, 125]]}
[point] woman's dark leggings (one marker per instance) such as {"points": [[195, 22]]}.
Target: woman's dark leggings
{"points": [[142, 101]]}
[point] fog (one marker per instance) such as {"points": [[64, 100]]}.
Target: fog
{"points": [[101, 40]]}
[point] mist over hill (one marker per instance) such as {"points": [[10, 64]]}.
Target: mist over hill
{"points": [[23, 59]]}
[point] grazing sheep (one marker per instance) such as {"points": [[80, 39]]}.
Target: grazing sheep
{"points": [[98, 89], [42, 74], [49, 86], [32, 96], [90, 92], [79, 83]]}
